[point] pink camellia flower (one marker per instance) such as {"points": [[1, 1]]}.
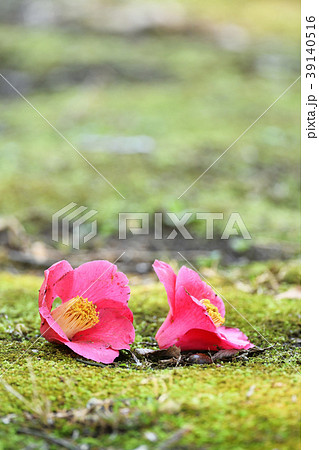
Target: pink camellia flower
{"points": [[196, 316], [93, 318]]}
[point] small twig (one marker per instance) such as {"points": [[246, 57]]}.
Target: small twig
{"points": [[210, 355], [250, 391], [20, 397], [178, 360], [260, 350], [60, 442], [174, 438], [90, 363], [136, 360]]}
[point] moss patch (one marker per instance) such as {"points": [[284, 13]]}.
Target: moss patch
{"points": [[186, 91], [241, 404]]}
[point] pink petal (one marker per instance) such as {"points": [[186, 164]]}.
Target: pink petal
{"points": [[53, 276], [113, 330], [123, 309], [53, 286], [51, 331], [62, 281], [234, 337], [197, 288], [99, 279], [204, 340], [188, 325], [97, 351], [166, 276], [196, 339], [189, 313]]}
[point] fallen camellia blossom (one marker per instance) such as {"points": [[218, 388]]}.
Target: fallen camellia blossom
{"points": [[93, 318], [196, 316]]}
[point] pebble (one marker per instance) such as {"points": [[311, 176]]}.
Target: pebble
{"points": [[200, 358]]}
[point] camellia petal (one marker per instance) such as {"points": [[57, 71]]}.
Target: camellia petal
{"points": [[100, 279], [196, 314], [53, 286], [205, 340], [94, 350], [188, 311], [107, 330], [166, 276], [93, 318], [193, 284]]}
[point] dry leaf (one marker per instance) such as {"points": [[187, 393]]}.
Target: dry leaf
{"points": [[224, 354], [160, 355]]}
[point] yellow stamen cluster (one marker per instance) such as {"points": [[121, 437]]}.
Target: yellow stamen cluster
{"points": [[212, 311], [77, 314]]}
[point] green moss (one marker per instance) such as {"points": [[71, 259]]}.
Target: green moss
{"points": [[258, 17], [199, 100], [245, 404]]}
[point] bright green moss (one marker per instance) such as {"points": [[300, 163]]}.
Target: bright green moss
{"points": [[240, 405]]}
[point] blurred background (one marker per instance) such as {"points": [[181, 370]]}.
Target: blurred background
{"points": [[151, 93]]}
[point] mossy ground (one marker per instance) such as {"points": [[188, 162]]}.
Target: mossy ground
{"points": [[189, 93], [249, 404], [193, 96]]}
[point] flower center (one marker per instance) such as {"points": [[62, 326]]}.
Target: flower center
{"points": [[77, 314], [213, 312]]}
